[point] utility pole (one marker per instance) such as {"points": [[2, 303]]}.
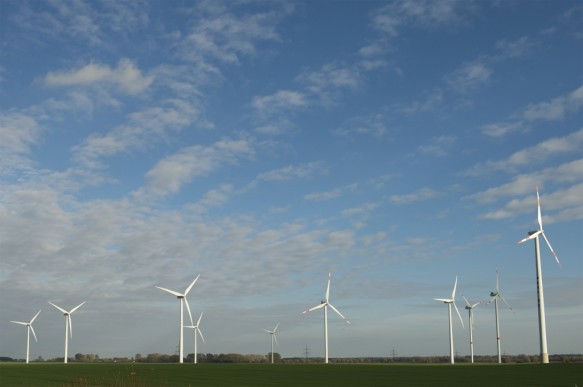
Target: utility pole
{"points": [[306, 353]]}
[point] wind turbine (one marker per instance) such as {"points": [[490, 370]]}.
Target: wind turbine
{"points": [[196, 330], [544, 355], [325, 304], [449, 302], [183, 300], [495, 296], [29, 328], [469, 307], [68, 325], [273, 337]]}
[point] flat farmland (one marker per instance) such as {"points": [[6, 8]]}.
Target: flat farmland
{"points": [[147, 374]]}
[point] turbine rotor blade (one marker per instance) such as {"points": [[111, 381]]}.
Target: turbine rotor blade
{"points": [[507, 304], [446, 300], [552, 251], [314, 308], [198, 322], [19, 322], [34, 334], [200, 334], [454, 287], [340, 314], [275, 338], [188, 309], [35, 316], [191, 285], [328, 288], [539, 218], [531, 236], [59, 308], [171, 291], [77, 307], [70, 325], [458, 313], [476, 304], [466, 300]]}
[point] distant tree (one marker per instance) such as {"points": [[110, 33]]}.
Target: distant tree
{"points": [[79, 357]]}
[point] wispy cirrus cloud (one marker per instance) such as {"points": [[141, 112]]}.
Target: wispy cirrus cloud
{"points": [[568, 202], [126, 76], [569, 172], [469, 76], [280, 100], [329, 195], [18, 133], [171, 173], [421, 194], [554, 110], [440, 146], [533, 155], [144, 126], [294, 171]]}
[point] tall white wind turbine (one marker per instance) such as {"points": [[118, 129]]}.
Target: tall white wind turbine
{"points": [[449, 302], [544, 355], [182, 298], [196, 330], [28, 328], [470, 307], [495, 296], [68, 326], [325, 304], [273, 337]]}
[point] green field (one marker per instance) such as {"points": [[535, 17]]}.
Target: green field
{"points": [[146, 374]]}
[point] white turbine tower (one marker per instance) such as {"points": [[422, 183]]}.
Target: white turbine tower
{"points": [[470, 307], [495, 296], [182, 298], [325, 304], [68, 326], [273, 337], [544, 355], [449, 302], [29, 328], [196, 330]]}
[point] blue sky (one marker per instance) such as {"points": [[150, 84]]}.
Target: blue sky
{"points": [[265, 144]]}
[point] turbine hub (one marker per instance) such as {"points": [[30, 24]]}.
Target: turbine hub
{"points": [[493, 294]]}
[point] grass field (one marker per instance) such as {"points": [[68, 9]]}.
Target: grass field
{"points": [[146, 374]]}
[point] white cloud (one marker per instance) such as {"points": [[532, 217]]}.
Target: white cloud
{"points": [[568, 202], [536, 154], [18, 133], [557, 108], [143, 127], [329, 195], [419, 195], [294, 171], [525, 183], [469, 76], [440, 146], [425, 13], [553, 110], [281, 100], [171, 173], [126, 77]]}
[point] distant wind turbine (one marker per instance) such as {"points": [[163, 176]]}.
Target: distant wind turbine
{"points": [[273, 337], [470, 307], [68, 326], [196, 330], [325, 304], [183, 300], [544, 355], [449, 302], [495, 296], [29, 328]]}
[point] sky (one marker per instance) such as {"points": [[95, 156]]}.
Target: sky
{"points": [[265, 144]]}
